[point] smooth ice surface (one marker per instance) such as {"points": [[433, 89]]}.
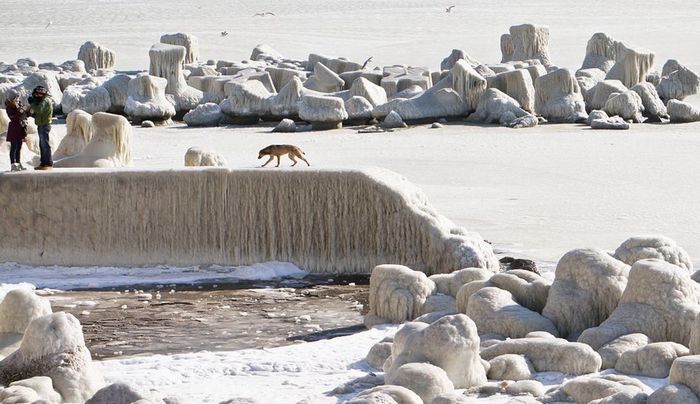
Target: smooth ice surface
{"points": [[68, 278]]}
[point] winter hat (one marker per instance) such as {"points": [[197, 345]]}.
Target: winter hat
{"points": [[39, 90]]}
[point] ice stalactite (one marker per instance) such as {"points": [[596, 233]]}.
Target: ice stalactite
{"points": [[188, 41], [323, 221], [600, 52], [78, 134], [631, 64], [110, 145], [166, 62]]}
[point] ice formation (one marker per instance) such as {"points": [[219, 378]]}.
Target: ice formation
{"points": [[611, 352], [187, 41], [166, 62], [558, 97], [627, 105], [96, 56], [397, 293], [517, 84], [110, 145], [677, 82], [323, 112], [53, 346], [380, 212], [118, 87], [528, 42], [600, 53], [681, 112], [652, 360], [19, 308], [654, 108], [510, 367], [686, 371], [642, 247], [424, 379], [631, 64], [146, 99], [587, 287], [208, 114], [197, 157], [87, 95]]}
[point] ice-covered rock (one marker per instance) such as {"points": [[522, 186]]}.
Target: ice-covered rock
{"points": [[324, 80], [121, 393], [631, 64], [517, 84], [78, 134], [457, 54], [323, 112], [681, 112], [359, 109], [619, 389], [88, 95], [673, 394], [529, 289], [188, 41], [208, 114], [285, 126], [610, 123], [379, 353], [652, 360], [286, 102], [601, 93], [53, 346], [657, 293], [386, 395], [450, 343], [19, 308], [397, 293], [110, 145], [198, 157], [627, 105], [686, 371], [424, 379], [399, 78], [451, 283], [677, 82], [38, 389], [166, 62], [531, 388], [558, 97], [118, 88], [600, 53], [146, 99], [510, 367], [265, 52], [393, 121], [497, 107], [654, 108], [643, 247], [611, 352], [549, 355], [494, 311], [528, 42], [587, 287], [373, 93], [96, 56]]}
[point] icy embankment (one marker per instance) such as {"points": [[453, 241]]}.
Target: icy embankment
{"points": [[280, 375], [71, 278]]}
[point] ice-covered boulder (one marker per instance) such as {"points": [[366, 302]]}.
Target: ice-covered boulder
{"points": [[660, 301], [110, 145], [96, 56], [379, 353], [642, 247], [393, 121], [282, 76], [652, 360], [681, 112], [528, 42], [118, 88], [121, 393], [529, 289], [600, 53], [53, 346], [631, 64], [609, 123], [87, 95], [146, 99], [611, 352], [198, 157], [627, 105], [188, 41], [286, 126], [450, 284], [451, 343], [323, 112], [494, 311], [677, 82], [324, 80], [386, 395], [78, 134], [510, 367], [208, 114], [673, 394], [166, 62], [424, 379], [654, 108], [457, 54], [19, 308], [359, 109], [602, 91], [265, 52], [286, 102], [587, 287], [335, 64], [38, 389], [517, 84], [609, 389], [686, 371], [373, 93], [397, 293], [558, 97], [496, 107], [549, 354]]}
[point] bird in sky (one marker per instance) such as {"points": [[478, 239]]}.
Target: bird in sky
{"points": [[366, 62], [49, 24], [223, 33], [449, 9], [263, 14]]}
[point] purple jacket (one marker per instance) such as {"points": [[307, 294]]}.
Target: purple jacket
{"points": [[16, 130]]}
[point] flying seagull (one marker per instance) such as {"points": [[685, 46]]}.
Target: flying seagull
{"points": [[366, 62], [49, 24], [223, 33], [263, 14], [449, 9]]}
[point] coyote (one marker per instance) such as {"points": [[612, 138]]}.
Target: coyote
{"points": [[278, 150]]}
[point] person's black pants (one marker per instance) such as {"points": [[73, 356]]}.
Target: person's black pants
{"points": [[15, 149]]}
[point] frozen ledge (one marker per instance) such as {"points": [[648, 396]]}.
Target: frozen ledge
{"points": [[334, 221]]}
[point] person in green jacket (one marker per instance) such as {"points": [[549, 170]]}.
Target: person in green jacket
{"points": [[42, 109]]}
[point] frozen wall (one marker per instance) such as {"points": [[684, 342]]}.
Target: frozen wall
{"points": [[323, 221]]}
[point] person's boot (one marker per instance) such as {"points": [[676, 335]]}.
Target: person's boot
{"points": [[20, 167], [43, 167], [14, 168]]}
